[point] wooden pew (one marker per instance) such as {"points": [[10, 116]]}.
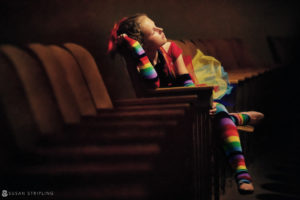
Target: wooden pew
{"points": [[61, 115], [200, 122]]}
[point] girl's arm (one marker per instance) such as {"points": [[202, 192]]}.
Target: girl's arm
{"points": [[145, 68], [180, 67], [184, 77]]}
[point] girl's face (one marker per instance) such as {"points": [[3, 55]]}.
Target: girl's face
{"points": [[154, 36]]}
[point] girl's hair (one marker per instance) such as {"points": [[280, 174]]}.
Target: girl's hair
{"points": [[132, 28], [127, 25]]}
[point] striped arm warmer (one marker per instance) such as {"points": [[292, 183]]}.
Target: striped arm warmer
{"points": [[184, 80], [145, 68]]}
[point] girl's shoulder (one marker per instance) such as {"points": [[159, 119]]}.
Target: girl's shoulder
{"points": [[171, 46], [172, 49]]}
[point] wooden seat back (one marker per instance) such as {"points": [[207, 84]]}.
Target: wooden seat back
{"points": [[232, 52], [92, 75], [284, 50], [37, 89], [28, 101], [61, 88], [76, 80]]}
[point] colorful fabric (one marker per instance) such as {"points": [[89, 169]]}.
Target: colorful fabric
{"points": [[209, 71], [231, 144], [145, 68], [240, 118]]}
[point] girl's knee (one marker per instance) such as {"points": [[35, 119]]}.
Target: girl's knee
{"points": [[220, 108]]}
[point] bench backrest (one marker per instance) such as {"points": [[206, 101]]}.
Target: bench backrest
{"points": [[232, 53], [92, 76], [57, 78], [29, 103], [76, 81]]}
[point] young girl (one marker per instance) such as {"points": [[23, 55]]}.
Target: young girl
{"points": [[160, 64]]}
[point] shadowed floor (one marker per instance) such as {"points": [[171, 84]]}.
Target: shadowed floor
{"points": [[275, 150]]}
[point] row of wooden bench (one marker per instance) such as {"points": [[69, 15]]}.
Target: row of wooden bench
{"points": [[73, 140]]}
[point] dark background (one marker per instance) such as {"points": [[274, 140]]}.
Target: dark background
{"points": [[88, 23]]}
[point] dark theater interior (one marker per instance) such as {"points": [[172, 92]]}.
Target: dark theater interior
{"points": [[76, 124]]}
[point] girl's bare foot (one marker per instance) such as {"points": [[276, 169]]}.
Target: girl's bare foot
{"points": [[255, 117], [246, 188]]}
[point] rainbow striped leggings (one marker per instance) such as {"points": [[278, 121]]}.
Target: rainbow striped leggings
{"points": [[226, 125]]}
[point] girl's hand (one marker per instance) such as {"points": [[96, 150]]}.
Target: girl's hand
{"points": [[120, 38], [213, 110]]}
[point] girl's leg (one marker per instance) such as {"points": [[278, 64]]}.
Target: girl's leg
{"points": [[233, 149], [240, 118], [244, 118]]}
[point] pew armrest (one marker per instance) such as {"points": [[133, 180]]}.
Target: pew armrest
{"points": [[204, 93], [202, 96]]}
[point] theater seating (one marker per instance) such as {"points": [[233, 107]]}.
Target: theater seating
{"points": [[72, 140], [65, 134]]}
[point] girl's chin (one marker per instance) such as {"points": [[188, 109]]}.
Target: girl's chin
{"points": [[164, 41], [157, 45]]}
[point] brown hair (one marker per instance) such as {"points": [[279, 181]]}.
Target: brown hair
{"points": [[132, 28], [129, 26]]}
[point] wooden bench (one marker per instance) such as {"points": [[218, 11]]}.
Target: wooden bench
{"points": [[78, 140], [201, 141], [70, 120]]}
